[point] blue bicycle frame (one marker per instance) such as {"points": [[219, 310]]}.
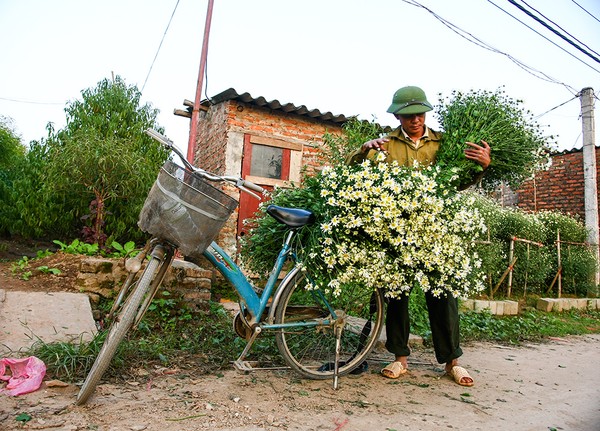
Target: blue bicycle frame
{"points": [[255, 303]]}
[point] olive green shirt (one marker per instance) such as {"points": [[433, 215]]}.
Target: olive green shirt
{"points": [[403, 150]]}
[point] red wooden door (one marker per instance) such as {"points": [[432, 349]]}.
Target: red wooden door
{"points": [[264, 165]]}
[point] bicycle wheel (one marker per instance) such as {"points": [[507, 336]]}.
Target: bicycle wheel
{"points": [[310, 349], [117, 331]]}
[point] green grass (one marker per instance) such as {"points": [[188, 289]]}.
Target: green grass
{"points": [[531, 325], [172, 335]]}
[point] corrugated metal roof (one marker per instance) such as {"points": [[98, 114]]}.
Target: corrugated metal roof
{"points": [[232, 94]]}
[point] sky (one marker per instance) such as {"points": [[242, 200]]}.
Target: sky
{"points": [[341, 56]]}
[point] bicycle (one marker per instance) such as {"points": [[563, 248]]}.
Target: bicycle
{"points": [[320, 336]]}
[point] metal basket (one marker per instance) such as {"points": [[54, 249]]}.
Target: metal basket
{"points": [[185, 210]]}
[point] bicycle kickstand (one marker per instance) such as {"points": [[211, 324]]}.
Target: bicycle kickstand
{"points": [[239, 363], [336, 366]]}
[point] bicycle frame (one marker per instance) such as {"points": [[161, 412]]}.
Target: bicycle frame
{"points": [[255, 303]]}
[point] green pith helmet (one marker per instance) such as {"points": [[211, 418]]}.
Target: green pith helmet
{"points": [[409, 100]]}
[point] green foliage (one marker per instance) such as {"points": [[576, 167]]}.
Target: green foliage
{"points": [[122, 250], [355, 133], [69, 361], [535, 266], [419, 318], [12, 156], [22, 266], [170, 310], [78, 247], [47, 270], [11, 148], [531, 325], [259, 249], [32, 210], [23, 417], [94, 173], [518, 145]]}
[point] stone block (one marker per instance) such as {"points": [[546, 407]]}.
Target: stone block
{"points": [[558, 305], [480, 305], [96, 265], [511, 308], [545, 304], [499, 308], [190, 269], [466, 304]]}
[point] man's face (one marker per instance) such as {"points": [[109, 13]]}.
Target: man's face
{"points": [[413, 124]]}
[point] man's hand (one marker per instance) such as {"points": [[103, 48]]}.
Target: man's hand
{"points": [[374, 144], [480, 154]]}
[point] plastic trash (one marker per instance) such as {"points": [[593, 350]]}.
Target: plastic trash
{"points": [[25, 375]]}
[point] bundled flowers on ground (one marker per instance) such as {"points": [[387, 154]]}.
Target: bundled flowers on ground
{"points": [[519, 148], [386, 226]]}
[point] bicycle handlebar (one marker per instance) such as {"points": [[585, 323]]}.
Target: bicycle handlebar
{"points": [[244, 185]]}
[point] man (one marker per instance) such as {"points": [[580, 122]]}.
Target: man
{"points": [[414, 141]]}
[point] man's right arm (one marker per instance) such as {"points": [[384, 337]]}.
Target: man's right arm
{"points": [[362, 153]]}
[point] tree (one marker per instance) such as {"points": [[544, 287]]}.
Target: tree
{"points": [[102, 162], [91, 177], [11, 148], [12, 154]]}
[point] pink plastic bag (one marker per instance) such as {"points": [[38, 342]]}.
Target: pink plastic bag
{"points": [[25, 376]]}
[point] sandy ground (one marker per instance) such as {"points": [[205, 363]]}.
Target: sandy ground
{"points": [[550, 386]]}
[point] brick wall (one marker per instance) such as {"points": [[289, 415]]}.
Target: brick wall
{"points": [[220, 143], [561, 188]]}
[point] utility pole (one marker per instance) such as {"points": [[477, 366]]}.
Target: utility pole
{"points": [[196, 107], [589, 171]]}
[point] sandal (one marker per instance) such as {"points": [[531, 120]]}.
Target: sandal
{"points": [[459, 374], [393, 370]]}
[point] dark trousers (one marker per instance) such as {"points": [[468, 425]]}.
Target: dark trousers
{"points": [[443, 319]]}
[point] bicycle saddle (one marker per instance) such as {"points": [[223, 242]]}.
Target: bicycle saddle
{"points": [[292, 217]]}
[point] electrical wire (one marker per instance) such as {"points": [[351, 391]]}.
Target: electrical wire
{"points": [[478, 42], [553, 30], [548, 19], [535, 31], [31, 102], [583, 9], [159, 46], [556, 107]]}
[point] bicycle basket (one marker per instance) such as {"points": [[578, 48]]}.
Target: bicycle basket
{"points": [[185, 210]]}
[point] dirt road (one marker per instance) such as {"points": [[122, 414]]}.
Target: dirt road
{"points": [[551, 386]]}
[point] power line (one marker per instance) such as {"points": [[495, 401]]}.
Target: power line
{"points": [[583, 9], [556, 107], [538, 33], [563, 37], [476, 41], [159, 46], [31, 102], [545, 17]]}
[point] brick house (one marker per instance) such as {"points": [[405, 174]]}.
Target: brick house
{"points": [[561, 188], [266, 142]]}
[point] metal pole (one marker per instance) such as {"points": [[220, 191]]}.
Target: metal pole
{"points": [[196, 108], [589, 169]]}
